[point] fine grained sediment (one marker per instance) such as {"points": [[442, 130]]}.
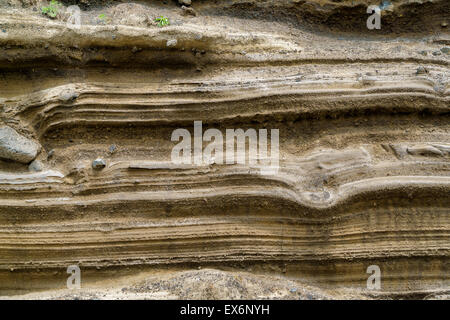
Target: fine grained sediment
{"points": [[363, 120]]}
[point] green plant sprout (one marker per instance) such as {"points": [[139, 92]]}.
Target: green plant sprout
{"points": [[52, 9], [162, 21], [104, 18]]}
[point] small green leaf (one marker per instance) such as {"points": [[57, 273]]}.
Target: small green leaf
{"points": [[162, 21], [52, 9]]}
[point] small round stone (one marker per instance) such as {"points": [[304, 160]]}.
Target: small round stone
{"points": [[172, 42], [35, 166], [445, 50], [98, 164]]}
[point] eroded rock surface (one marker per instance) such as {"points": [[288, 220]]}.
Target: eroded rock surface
{"points": [[364, 139]]}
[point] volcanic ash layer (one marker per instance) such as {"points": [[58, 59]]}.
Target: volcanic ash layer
{"points": [[364, 150]]}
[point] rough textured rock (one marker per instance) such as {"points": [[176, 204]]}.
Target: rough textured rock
{"points": [[16, 147], [188, 11], [364, 139]]}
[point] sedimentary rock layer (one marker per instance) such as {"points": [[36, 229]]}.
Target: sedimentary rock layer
{"points": [[364, 148]]}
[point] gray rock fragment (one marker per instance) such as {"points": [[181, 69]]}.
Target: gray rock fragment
{"points": [[50, 154], [35, 166], [188, 11], [172, 42], [185, 2], [68, 96], [16, 147], [421, 70], [424, 150], [98, 164]]}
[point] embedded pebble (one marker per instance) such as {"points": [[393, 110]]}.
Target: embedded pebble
{"points": [[172, 42], [35, 166], [421, 70], [69, 96], [98, 164], [16, 147], [188, 11]]}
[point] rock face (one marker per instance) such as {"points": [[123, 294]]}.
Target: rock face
{"points": [[16, 147], [363, 147]]}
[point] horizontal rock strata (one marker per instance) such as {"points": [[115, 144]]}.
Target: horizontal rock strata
{"points": [[364, 143]]}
